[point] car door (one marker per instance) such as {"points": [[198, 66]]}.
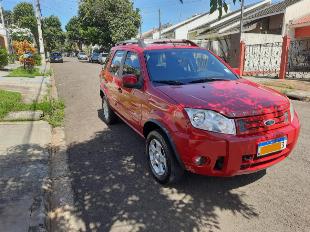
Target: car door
{"points": [[132, 98], [114, 81]]}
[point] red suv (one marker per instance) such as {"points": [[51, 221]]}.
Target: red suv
{"points": [[194, 110]]}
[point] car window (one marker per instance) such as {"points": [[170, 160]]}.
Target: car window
{"points": [[185, 65], [116, 63], [132, 64]]}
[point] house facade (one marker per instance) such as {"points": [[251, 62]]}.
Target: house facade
{"points": [[181, 30], [3, 37]]}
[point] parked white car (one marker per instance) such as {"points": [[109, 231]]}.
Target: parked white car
{"points": [[82, 56], [102, 57]]}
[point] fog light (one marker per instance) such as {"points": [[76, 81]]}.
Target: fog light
{"points": [[201, 160]]}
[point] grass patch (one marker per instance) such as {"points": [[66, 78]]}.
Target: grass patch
{"points": [[53, 109], [21, 72], [279, 85]]}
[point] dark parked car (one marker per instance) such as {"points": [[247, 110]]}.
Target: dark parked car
{"points": [[94, 57], [56, 57]]}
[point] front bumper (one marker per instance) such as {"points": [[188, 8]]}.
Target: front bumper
{"points": [[56, 61], [229, 155]]}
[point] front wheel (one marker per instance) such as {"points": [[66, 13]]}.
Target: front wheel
{"points": [[109, 117], [161, 160]]}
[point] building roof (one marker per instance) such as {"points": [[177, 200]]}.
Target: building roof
{"points": [[233, 20], [215, 20], [225, 22], [172, 28], [274, 9]]}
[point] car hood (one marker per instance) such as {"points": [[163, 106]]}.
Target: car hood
{"points": [[238, 98]]}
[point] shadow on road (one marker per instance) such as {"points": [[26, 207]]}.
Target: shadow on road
{"points": [[113, 189]]}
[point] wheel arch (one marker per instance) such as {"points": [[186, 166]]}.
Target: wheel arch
{"points": [[153, 124]]}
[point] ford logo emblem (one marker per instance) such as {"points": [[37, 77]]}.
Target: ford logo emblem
{"points": [[269, 122]]}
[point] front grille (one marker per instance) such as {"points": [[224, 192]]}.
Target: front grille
{"points": [[255, 124]]}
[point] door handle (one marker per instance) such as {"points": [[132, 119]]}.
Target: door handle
{"points": [[120, 90]]}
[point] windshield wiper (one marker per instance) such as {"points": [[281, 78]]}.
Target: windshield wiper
{"points": [[170, 82], [207, 80]]}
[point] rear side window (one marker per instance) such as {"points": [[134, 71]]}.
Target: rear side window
{"points": [[132, 64], [116, 63]]}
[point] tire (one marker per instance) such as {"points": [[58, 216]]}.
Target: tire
{"points": [[173, 172], [108, 116]]}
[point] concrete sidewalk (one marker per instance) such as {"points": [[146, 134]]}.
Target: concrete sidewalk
{"points": [[23, 170], [31, 89]]}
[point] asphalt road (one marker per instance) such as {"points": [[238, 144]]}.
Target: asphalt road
{"points": [[114, 192]]}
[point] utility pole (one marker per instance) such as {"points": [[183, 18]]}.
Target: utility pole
{"points": [[241, 20], [140, 29], [41, 43], [159, 24], [6, 40]]}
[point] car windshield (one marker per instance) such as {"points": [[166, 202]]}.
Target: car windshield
{"points": [[183, 66], [56, 54], [82, 53]]}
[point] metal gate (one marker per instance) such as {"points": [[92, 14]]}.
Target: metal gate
{"points": [[299, 59]]}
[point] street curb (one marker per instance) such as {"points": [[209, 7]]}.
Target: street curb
{"points": [[61, 210], [295, 96]]}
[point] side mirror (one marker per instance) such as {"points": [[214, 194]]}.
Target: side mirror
{"points": [[237, 71], [131, 81]]}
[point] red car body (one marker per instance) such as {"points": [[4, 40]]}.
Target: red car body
{"points": [[248, 103]]}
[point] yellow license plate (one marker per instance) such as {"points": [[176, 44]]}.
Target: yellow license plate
{"points": [[271, 146]]}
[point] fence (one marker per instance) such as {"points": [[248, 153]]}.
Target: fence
{"points": [[262, 59], [299, 59], [289, 59]]}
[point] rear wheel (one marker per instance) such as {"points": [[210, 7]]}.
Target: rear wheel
{"points": [[161, 160], [109, 117]]}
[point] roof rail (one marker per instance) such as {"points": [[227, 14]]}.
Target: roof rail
{"points": [[174, 41], [140, 42], [143, 43]]}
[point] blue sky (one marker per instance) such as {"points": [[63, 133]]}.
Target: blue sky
{"points": [[171, 10]]}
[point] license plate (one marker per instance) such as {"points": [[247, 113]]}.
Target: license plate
{"points": [[271, 146]]}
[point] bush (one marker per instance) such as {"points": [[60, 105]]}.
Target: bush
{"points": [[37, 59], [3, 57]]}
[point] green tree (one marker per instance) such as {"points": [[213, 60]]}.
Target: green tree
{"points": [[53, 35], [24, 17], [218, 5], [106, 22], [75, 32]]}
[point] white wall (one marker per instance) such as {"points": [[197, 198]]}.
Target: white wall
{"points": [[253, 38], [295, 11]]}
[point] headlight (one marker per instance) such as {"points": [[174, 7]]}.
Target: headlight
{"points": [[292, 111], [211, 121]]}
